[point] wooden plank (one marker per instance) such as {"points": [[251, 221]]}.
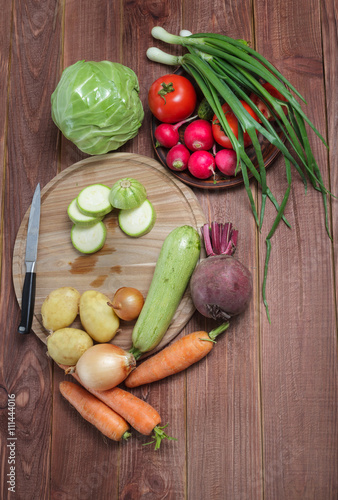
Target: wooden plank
{"points": [[329, 33], [5, 30], [91, 32], [223, 399], [298, 349], [144, 472], [30, 158], [6, 423], [329, 14], [84, 463]]}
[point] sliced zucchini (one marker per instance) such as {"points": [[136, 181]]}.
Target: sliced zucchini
{"points": [[88, 239], [94, 200], [137, 221], [80, 218]]}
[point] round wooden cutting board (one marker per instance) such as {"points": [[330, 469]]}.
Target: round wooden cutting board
{"points": [[123, 261]]}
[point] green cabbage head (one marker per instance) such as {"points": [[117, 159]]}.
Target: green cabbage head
{"points": [[96, 105]]}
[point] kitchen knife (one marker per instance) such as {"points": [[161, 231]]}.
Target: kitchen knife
{"points": [[28, 291]]}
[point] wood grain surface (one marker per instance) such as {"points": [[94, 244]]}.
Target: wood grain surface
{"points": [[123, 260], [257, 418]]}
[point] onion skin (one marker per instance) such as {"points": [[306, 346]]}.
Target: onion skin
{"points": [[221, 287], [104, 366]]}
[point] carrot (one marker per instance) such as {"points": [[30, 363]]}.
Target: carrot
{"points": [[140, 415], [94, 411], [175, 357]]}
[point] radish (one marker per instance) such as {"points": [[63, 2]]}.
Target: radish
{"points": [[201, 164], [178, 157], [167, 134], [226, 161], [220, 286], [198, 136]]}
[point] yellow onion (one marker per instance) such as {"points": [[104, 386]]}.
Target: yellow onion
{"points": [[127, 303], [104, 366]]}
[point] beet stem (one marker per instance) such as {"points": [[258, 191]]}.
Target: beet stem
{"points": [[220, 238], [207, 240]]}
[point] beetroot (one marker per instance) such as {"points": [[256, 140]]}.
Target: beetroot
{"points": [[220, 286]]}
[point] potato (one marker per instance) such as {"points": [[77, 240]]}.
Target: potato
{"points": [[60, 308], [67, 345], [97, 318]]}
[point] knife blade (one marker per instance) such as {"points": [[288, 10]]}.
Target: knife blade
{"points": [[28, 291]]}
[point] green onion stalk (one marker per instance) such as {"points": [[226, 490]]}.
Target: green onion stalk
{"points": [[228, 70]]}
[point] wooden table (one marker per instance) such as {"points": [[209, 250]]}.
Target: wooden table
{"points": [[258, 417]]}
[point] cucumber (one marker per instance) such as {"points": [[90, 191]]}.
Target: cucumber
{"points": [[177, 260], [137, 221], [205, 111], [94, 200], [88, 239], [78, 217]]}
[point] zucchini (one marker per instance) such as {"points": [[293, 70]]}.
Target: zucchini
{"points": [[177, 260], [127, 193]]}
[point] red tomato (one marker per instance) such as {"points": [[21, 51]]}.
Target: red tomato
{"points": [[172, 98], [262, 106], [220, 137], [274, 92]]}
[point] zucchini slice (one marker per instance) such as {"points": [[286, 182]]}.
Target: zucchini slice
{"points": [[80, 218], [88, 239], [94, 201], [137, 221]]}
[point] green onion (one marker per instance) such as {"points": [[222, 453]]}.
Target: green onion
{"points": [[228, 70]]}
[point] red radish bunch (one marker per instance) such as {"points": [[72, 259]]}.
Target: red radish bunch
{"points": [[198, 151]]}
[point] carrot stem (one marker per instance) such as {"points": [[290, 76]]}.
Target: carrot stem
{"points": [[220, 329], [158, 436]]}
